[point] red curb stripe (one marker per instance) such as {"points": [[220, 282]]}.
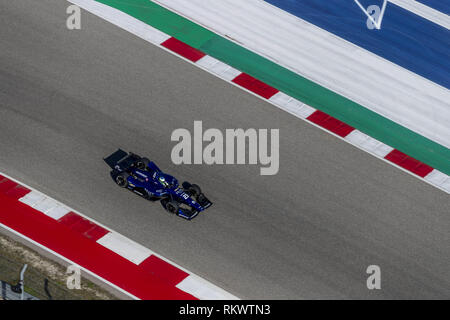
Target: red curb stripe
{"points": [[330, 123], [255, 85], [69, 219], [83, 226], [17, 192], [406, 162], [12, 189], [85, 252], [96, 233], [6, 184], [183, 49], [163, 269]]}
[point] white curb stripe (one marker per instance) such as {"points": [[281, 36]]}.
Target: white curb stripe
{"points": [[368, 143], [219, 68], [125, 247], [292, 105], [58, 212], [439, 179], [44, 204], [32, 198], [203, 290]]}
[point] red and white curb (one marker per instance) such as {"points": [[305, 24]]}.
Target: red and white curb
{"points": [[270, 94], [122, 263]]}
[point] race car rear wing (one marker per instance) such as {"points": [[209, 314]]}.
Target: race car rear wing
{"points": [[115, 158]]}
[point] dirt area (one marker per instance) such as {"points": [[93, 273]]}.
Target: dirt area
{"points": [[14, 255]]}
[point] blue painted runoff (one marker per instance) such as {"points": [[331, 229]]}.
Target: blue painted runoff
{"points": [[405, 38]]}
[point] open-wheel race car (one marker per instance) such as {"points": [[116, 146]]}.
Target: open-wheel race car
{"points": [[143, 177]]}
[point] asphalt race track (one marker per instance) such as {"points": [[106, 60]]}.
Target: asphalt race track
{"points": [[69, 98]]}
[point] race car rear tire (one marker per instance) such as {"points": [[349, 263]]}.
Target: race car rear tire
{"points": [[172, 207], [122, 179], [195, 190], [142, 163]]}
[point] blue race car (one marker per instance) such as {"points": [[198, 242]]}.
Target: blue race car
{"points": [[144, 178]]}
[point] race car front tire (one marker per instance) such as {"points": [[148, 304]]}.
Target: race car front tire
{"points": [[172, 207], [195, 190], [201, 198], [186, 185]]}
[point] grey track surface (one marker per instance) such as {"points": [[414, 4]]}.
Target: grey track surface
{"points": [[68, 98]]}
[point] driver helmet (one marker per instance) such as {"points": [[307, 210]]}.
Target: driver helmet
{"points": [[163, 181]]}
